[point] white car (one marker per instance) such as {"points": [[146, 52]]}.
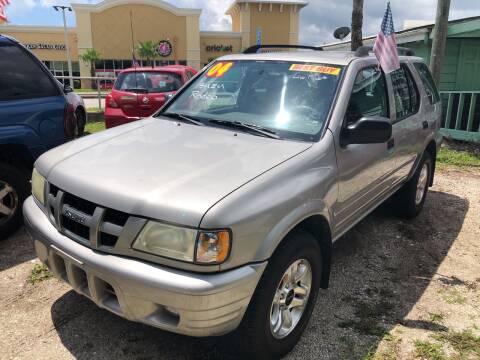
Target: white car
{"points": [[76, 101]]}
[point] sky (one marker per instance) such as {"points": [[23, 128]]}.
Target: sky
{"points": [[317, 21]]}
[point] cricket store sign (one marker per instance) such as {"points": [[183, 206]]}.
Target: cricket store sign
{"points": [[219, 48], [41, 46]]}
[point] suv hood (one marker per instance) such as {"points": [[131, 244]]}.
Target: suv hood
{"points": [[162, 169]]}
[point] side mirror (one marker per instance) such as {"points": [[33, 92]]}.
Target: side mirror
{"points": [[169, 96], [67, 89], [367, 130]]}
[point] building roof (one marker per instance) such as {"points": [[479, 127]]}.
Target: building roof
{"points": [[418, 33], [300, 3], [106, 4]]}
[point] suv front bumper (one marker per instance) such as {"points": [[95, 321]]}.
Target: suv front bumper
{"points": [[184, 302]]}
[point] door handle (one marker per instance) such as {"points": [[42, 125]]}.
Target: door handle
{"points": [[425, 125], [390, 143]]}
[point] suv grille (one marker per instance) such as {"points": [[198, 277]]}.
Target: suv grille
{"points": [[84, 221]]}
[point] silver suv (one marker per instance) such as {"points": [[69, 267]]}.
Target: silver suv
{"points": [[219, 212]]}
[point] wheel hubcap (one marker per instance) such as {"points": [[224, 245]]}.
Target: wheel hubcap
{"points": [[422, 184], [290, 298], [8, 202]]}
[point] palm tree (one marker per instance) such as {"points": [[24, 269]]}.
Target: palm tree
{"points": [[357, 23], [147, 50], [91, 56]]}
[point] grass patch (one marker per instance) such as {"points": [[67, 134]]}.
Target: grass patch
{"points": [[39, 273], [94, 109], [93, 127], [81, 91], [435, 317], [465, 343], [457, 158], [428, 350], [453, 297], [386, 351]]}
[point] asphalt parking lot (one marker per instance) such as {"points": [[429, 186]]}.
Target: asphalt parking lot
{"points": [[394, 283]]}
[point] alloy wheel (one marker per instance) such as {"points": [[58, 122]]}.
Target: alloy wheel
{"points": [[291, 298], [421, 184], [8, 202]]}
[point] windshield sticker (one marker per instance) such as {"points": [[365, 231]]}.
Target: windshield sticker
{"points": [[316, 69], [219, 69]]}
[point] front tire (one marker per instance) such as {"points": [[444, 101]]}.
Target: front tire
{"points": [[14, 189], [284, 299], [409, 200]]}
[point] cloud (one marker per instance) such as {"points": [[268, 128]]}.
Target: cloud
{"points": [[327, 15], [213, 16], [317, 21]]}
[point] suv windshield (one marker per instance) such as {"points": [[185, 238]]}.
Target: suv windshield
{"points": [[291, 99], [148, 81]]}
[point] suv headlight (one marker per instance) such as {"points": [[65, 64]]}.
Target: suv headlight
{"points": [[204, 247], [38, 186]]}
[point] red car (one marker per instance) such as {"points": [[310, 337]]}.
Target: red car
{"points": [[139, 92]]}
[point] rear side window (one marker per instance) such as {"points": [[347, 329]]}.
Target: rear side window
{"points": [[369, 95], [21, 76], [150, 82], [428, 83], [407, 98]]}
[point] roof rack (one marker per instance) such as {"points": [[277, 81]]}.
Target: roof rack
{"points": [[363, 51], [254, 49]]}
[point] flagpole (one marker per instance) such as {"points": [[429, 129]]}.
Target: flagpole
{"points": [[133, 43]]}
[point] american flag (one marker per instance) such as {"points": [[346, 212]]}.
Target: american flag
{"points": [[385, 47], [3, 15]]}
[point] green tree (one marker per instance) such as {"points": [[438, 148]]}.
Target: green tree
{"points": [[147, 50], [90, 56]]}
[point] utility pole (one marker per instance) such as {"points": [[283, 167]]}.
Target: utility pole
{"points": [[67, 47], [357, 23], [439, 39]]}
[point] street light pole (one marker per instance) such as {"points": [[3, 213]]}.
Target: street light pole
{"points": [[69, 59]]}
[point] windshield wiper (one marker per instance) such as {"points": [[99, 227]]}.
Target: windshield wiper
{"points": [[182, 117], [250, 127]]}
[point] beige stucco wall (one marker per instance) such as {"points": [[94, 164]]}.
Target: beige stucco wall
{"points": [[235, 22], [206, 41], [51, 37], [275, 24], [111, 34], [193, 41]]}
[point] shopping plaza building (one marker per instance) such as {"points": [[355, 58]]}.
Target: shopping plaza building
{"points": [[114, 27]]}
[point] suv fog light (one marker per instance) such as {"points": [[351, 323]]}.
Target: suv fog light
{"points": [[213, 247]]}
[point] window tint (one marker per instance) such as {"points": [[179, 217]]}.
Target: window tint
{"points": [[407, 98], [152, 82], [21, 77], [428, 83], [369, 95]]}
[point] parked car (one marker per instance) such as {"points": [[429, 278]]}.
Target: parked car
{"points": [[36, 114], [106, 84], [76, 127], [139, 92], [219, 213]]}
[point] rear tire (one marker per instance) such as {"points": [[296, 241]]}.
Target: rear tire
{"points": [[81, 121], [409, 200], [262, 334], [14, 189]]}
